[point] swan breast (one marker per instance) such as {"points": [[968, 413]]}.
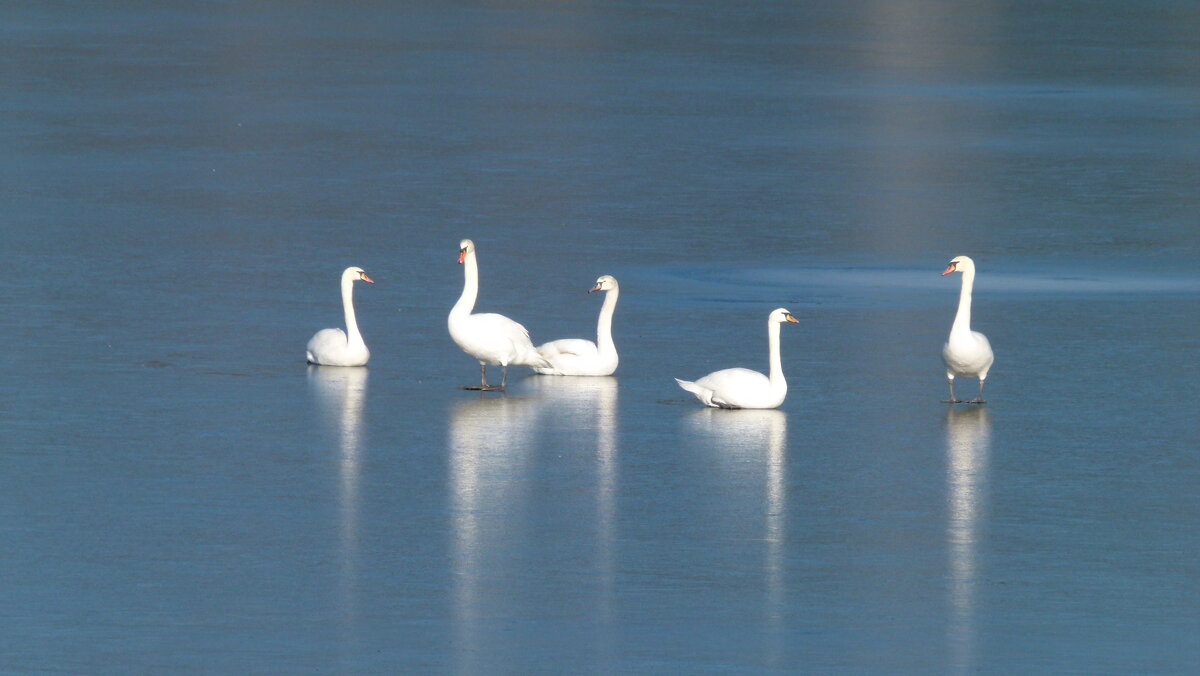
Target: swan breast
{"points": [[969, 355]]}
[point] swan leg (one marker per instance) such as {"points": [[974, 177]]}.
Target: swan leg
{"points": [[951, 400], [483, 384], [503, 375], [979, 399]]}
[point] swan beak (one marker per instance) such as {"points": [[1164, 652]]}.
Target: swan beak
{"points": [[949, 268], [791, 319], [366, 279], [462, 255], [594, 288]]}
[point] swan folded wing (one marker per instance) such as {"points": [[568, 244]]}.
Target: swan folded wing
{"points": [[496, 339], [572, 347], [326, 339], [736, 387], [734, 380], [499, 325]]}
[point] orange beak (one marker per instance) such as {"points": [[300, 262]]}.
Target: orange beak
{"points": [[594, 288], [462, 255], [366, 279], [792, 319], [948, 270]]}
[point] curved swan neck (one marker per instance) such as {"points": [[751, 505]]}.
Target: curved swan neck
{"points": [[352, 334], [466, 302], [962, 320], [604, 339], [776, 374]]}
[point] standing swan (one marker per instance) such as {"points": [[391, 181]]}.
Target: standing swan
{"points": [[488, 337], [579, 357], [743, 388], [333, 347], [967, 353]]}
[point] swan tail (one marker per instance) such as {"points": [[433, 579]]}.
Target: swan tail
{"points": [[535, 360], [701, 393]]}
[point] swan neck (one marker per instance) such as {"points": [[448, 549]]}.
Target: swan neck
{"points": [[776, 374], [962, 320], [466, 302], [604, 339], [352, 334]]}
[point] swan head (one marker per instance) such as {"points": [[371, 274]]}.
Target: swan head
{"points": [[465, 247], [604, 283], [352, 273], [959, 264], [781, 316]]}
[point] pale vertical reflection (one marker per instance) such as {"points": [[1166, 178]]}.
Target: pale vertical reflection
{"points": [[592, 401], [759, 439], [340, 393], [489, 442], [967, 443]]}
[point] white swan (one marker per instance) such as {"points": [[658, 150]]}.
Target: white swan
{"points": [[333, 347], [488, 337], [579, 357], [743, 388], [967, 353]]}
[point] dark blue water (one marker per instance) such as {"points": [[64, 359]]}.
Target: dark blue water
{"points": [[181, 185]]}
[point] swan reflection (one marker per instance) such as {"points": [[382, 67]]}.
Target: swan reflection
{"points": [[759, 438], [585, 404], [490, 440], [968, 438], [340, 393]]}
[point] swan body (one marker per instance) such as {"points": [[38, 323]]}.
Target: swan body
{"points": [[967, 353], [334, 347], [488, 337], [579, 357], [743, 388]]}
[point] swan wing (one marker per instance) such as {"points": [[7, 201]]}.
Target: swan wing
{"points": [[573, 347], [325, 342], [737, 388], [499, 325], [495, 339]]}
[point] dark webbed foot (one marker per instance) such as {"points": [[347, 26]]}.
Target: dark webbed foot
{"points": [[976, 400], [953, 401], [484, 388]]}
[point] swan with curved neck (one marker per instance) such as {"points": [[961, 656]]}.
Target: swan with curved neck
{"points": [[967, 353], [488, 337], [334, 347], [743, 388], [579, 357]]}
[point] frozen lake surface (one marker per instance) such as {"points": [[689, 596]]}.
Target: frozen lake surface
{"points": [[181, 185]]}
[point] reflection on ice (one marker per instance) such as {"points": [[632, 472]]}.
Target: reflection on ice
{"points": [[489, 439], [585, 401], [759, 437], [968, 431], [340, 392]]}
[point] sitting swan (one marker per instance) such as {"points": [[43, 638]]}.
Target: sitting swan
{"points": [[579, 357], [333, 347], [488, 337], [743, 388], [967, 353]]}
